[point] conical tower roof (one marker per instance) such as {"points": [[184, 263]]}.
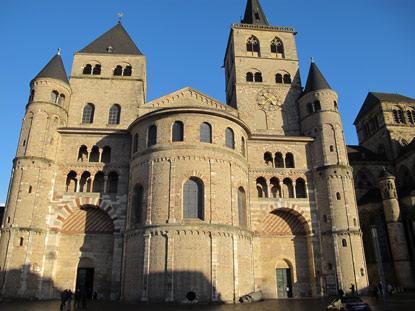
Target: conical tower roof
{"points": [[315, 80], [254, 13], [114, 41], [54, 69]]}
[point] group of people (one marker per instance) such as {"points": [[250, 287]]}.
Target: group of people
{"points": [[66, 299]]}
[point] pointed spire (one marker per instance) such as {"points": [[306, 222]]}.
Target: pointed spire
{"points": [[254, 13], [114, 41], [54, 69], [315, 79]]}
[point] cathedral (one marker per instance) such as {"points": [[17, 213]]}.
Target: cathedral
{"points": [[188, 199]]}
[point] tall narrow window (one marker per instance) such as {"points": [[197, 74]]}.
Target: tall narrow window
{"points": [[277, 48], [106, 155], [258, 77], [61, 100], [193, 199], [268, 159], [53, 96], [249, 77], [85, 182], [83, 154], [242, 207], [338, 196], [135, 143], [317, 106], [205, 133], [32, 95], [252, 46], [300, 191], [279, 160], [118, 71], [289, 160], [177, 131], [114, 114], [88, 114], [278, 78], [243, 146], [87, 69], [230, 142], [94, 156], [71, 182], [113, 182], [98, 185], [152, 136], [287, 79], [97, 70], [137, 207], [262, 188], [275, 187], [288, 188], [127, 71]]}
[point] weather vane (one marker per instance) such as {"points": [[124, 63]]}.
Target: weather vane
{"points": [[312, 59], [120, 15], [59, 51]]}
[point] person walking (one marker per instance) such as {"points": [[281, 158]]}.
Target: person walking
{"points": [[69, 299], [63, 299], [77, 298], [340, 293], [352, 289]]}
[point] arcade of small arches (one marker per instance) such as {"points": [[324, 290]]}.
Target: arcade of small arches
{"points": [[399, 116], [253, 47], [177, 135], [119, 70], [55, 97], [278, 160], [256, 76], [316, 106], [370, 126], [275, 188], [100, 182], [97, 154]]}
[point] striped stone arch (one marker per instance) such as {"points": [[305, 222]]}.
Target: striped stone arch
{"points": [[68, 210], [294, 210]]}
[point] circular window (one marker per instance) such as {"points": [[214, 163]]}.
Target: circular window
{"points": [[191, 296]]}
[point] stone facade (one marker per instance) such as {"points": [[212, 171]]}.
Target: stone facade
{"points": [[183, 198]]}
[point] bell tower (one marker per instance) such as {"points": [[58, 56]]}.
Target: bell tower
{"points": [[262, 75]]}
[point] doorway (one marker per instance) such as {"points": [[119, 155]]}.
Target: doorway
{"points": [[284, 286], [85, 281]]}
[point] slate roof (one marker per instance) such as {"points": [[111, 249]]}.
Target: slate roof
{"points": [[254, 14], [361, 154], [315, 80], [373, 98], [54, 69], [116, 38]]}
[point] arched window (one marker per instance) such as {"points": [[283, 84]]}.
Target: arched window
{"points": [[118, 70], [71, 182], [344, 242], [127, 71], [98, 185], [395, 116], [278, 78], [410, 116], [230, 142], [317, 106], [88, 114], [300, 190], [32, 95], [288, 188], [152, 136], [83, 154], [277, 48], [252, 46], [242, 207], [193, 199], [401, 117], [249, 77], [53, 96], [135, 143], [287, 79], [21, 241], [338, 196], [243, 146], [258, 77], [106, 155], [205, 133], [275, 187], [268, 159], [85, 182], [94, 156], [137, 206], [113, 182], [336, 107], [262, 188], [331, 148], [114, 114], [87, 69], [177, 131], [97, 70], [279, 160], [61, 100], [289, 160]]}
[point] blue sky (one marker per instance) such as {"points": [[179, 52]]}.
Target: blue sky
{"points": [[359, 46]]}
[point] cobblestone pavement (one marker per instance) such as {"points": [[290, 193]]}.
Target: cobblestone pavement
{"points": [[400, 302]]}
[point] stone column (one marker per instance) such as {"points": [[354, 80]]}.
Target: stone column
{"points": [[170, 267], [146, 266]]}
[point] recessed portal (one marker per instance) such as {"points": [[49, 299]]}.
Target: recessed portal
{"points": [[284, 286], [85, 281]]}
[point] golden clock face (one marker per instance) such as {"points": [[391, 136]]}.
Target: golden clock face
{"points": [[267, 99]]}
